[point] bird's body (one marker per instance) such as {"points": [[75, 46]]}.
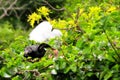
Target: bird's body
{"points": [[37, 51], [44, 32], [41, 33], [32, 51]]}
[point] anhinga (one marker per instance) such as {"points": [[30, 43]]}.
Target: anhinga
{"points": [[38, 51]]}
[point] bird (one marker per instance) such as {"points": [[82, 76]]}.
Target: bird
{"points": [[44, 32], [38, 51]]}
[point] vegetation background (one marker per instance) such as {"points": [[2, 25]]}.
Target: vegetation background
{"points": [[88, 50]]}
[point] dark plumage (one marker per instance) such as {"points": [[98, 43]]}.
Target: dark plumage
{"points": [[37, 51]]}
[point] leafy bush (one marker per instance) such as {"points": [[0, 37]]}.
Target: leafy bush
{"points": [[89, 51]]}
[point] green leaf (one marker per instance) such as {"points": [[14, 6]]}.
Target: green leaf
{"points": [[63, 65], [73, 67], [66, 70], [108, 75], [102, 74], [6, 75], [16, 78], [109, 57]]}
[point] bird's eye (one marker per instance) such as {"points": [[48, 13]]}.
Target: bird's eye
{"points": [[45, 48]]}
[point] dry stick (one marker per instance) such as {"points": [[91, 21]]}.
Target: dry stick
{"points": [[11, 7], [76, 21], [5, 10], [36, 72]]}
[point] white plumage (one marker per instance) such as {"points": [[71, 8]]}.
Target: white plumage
{"points": [[44, 32]]}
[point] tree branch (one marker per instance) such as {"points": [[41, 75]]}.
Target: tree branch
{"points": [[10, 7], [62, 9], [7, 9]]}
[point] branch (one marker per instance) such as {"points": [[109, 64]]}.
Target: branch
{"points": [[11, 7], [34, 71], [6, 10], [111, 44], [62, 9], [105, 24], [0, 1]]}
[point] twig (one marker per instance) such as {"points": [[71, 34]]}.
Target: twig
{"points": [[62, 9], [105, 24], [35, 72], [10, 7], [111, 44], [6, 10]]}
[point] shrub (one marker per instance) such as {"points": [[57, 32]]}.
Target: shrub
{"points": [[90, 48]]}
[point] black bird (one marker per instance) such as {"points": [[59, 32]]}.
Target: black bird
{"points": [[38, 51]]}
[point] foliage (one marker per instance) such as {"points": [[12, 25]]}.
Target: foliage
{"points": [[90, 47], [43, 11], [20, 9]]}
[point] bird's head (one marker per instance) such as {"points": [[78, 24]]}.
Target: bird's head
{"points": [[44, 45]]}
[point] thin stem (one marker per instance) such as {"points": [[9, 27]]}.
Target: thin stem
{"points": [[105, 24]]}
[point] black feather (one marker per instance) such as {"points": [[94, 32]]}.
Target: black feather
{"points": [[36, 51]]}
